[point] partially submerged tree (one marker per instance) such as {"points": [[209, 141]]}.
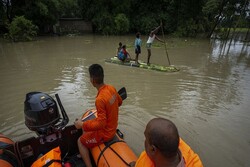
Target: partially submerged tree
{"points": [[21, 29]]}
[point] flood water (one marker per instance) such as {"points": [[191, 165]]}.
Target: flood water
{"points": [[208, 99]]}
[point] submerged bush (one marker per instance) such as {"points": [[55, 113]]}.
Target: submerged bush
{"points": [[22, 29]]}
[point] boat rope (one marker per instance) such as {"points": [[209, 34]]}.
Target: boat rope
{"points": [[118, 155], [103, 157], [108, 146]]}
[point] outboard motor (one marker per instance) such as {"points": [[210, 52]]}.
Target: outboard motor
{"points": [[42, 114]]}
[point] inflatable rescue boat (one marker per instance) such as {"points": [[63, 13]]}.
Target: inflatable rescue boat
{"points": [[43, 117]]}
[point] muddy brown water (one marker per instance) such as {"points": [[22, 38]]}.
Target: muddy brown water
{"points": [[208, 99]]}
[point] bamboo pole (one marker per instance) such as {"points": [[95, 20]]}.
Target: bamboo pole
{"points": [[165, 43]]}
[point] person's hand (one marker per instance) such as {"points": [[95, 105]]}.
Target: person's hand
{"points": [[78, 123]]}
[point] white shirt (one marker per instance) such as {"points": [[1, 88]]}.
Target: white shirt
{"points": [[151, 39]]}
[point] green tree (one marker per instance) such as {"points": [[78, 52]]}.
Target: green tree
{"points": [[43, 13], [102, 14], [121, 24], [11, 8], [21, 29], [224, 14], [181, 17], [69, 9], [3, 18], [105, 23], [188, 17]]}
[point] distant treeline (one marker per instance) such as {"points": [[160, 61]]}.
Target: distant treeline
{"points": [[115, 17]]}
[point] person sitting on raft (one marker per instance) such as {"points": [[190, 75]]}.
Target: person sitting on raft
{"points": [[118, 49], [123, 54]]}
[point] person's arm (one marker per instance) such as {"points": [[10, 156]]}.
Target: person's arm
{"points": [[159, 39], [128, 55], [156, 29], [101, 120]]}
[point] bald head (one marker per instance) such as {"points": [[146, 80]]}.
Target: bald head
{"points": [[163, 134]]}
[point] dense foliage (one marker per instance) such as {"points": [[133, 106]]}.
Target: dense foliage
{"points": [[179, 17], [21, 29]]}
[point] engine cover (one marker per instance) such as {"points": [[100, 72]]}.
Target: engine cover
{"points": [[41, 111]]}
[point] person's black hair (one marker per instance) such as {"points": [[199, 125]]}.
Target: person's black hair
{"points": [[165, 137], [120, 44], [124, 46], [96, 72], [137, 35]]}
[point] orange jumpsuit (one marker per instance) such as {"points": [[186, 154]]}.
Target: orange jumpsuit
{"points": [[103, 128], [190, 157]]}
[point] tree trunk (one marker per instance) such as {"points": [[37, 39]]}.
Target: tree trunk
{"points": [[8, 11], [246, 37], [218, 18]]}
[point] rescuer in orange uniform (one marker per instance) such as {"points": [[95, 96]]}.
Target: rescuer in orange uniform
{"points": [[164, 147], [103, 128]]}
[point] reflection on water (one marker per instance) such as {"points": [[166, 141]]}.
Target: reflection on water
{"points": [[229, 48], [208, 99]]}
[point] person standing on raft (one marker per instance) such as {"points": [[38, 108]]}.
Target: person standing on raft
{"points": [[150, 40], [138, 43]]}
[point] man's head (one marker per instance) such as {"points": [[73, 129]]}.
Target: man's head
{"points": [[161, 135], [137, 35], [96, 74]]}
